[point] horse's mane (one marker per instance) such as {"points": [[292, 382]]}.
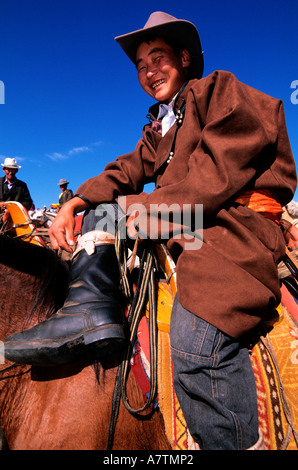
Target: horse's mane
{"points": [[43, 264]]}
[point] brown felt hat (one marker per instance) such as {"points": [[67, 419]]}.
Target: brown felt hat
{"points": [[161, 24]]}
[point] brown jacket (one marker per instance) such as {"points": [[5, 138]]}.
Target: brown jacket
{"points": [[233, 138]]}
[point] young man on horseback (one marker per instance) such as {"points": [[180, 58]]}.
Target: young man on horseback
{"points": [[212, 141]]}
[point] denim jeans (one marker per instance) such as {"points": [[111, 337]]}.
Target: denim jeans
{"points": [[214, 383]]}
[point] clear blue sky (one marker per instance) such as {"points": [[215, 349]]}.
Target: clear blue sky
{"points": [[72, 99]]}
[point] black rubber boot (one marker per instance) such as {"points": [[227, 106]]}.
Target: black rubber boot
{"points": [[91, 319]]}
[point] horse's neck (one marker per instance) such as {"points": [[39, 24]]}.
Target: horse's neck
{"points": [[17, 303]]}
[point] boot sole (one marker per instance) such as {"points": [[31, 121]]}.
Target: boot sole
{"points": [[101, 341]]}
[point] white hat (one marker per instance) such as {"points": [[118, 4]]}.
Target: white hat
{"points": [[10, 163]]}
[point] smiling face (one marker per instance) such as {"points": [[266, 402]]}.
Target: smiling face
{"points": [[161, 72]]}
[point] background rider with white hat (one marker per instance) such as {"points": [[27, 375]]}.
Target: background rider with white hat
{"points": [[11, 188]]}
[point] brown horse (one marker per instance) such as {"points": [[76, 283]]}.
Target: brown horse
{"points": [[66, 407]]}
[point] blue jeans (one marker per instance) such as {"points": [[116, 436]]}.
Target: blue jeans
{"points": [[214, 383]]}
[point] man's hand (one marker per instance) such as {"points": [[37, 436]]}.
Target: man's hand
{"points": [[61, 231], [133, 223], [5, 215]]}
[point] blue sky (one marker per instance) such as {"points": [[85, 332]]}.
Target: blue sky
{"points": [[72, 99]]}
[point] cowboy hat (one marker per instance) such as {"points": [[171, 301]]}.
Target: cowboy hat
{"points": [[10, 163], [161, 24], [62, 182]]}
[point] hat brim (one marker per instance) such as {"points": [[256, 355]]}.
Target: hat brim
{"points": [[11, 166], [181, 31]]}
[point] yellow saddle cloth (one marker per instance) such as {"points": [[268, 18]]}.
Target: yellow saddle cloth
{"points": [[22, 224]]}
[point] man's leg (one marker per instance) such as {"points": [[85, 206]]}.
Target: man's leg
{"points": [[91, 319], [214, 383]]}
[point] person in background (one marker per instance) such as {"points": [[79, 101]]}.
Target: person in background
{"points": [[11, 188], [65, 196]]}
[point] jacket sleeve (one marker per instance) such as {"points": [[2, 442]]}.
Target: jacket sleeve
{"points": [[126, 175]]}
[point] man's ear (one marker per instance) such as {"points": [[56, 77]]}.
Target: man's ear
{"points": [[185, 57]]}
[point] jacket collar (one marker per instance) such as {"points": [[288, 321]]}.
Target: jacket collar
{"points": [[154, 109]]}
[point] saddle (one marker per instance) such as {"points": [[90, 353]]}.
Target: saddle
{"points": [[21, 225]]}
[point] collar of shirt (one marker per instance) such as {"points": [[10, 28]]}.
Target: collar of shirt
{"points": [[9, 185], [167, 116]]}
